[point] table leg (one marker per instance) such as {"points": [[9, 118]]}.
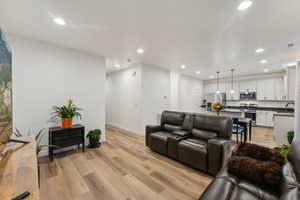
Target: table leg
{"points": [[250, 131]]}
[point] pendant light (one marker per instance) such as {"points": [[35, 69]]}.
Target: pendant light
{"points": [[232, 90], [218, 89]]}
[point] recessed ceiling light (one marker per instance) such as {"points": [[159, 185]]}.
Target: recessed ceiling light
{"points": [[183, 66], [266, 70], [140, 51], [198, 72], [117, 66], [211, 76], [263, 61], [60, 21], [244, 5], [259, 50]]}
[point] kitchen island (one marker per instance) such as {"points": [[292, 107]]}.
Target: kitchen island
{"points": [[283, 123]]}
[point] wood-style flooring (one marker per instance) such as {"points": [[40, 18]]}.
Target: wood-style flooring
{"points": [[124, 169]]}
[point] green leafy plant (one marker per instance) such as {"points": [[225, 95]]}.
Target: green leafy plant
{"points": [[290, 134], [284, 150], [68, 111], [38, 138], [94, 134]]}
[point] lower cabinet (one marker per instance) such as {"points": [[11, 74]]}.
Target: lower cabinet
{"points": [[264, 118]]}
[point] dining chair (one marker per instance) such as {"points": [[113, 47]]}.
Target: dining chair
{"points": [[238, 128]]}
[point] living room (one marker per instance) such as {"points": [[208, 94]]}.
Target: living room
{"points": [[149, 100]]}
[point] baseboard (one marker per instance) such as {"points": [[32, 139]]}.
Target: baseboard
{"points": [[125, 129]]}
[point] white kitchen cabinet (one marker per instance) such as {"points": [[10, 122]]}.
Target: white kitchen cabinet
{"points": [[248, 86], [265, 89], [279, 90], [260, 118], [291, 83], [264, 118], [236, 94], [210, 88]]}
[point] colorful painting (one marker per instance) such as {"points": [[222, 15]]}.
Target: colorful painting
{"points": [[5, 89]]}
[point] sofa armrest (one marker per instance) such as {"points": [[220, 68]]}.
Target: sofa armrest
{"points": [[182, 133], [219, 151], [151, 129]]}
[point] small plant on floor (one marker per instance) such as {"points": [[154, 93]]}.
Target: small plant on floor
{"points": [[290, 136], [94, 138], [38, 138], [284, 150]]}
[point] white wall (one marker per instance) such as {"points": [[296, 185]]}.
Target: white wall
{"points": [[123, 100], [134, 102], [155, 93], [190, 94], [297, 108], [45, 75]]}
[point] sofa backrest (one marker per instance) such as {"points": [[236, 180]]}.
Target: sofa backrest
{"points": [[294, 158], [208, 126], [171, 120]]}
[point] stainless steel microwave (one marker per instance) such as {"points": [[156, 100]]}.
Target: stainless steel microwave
{"points": [[248, 96]]}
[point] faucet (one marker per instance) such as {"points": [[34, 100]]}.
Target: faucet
{"points": [[286, 105]]}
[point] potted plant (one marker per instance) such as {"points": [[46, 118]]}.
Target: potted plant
{"points": [[218, 107], [283, 150], [67, 113], [94, 138], [38, 138], [290, 136]]}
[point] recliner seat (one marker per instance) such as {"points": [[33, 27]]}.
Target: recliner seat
{"points": [[200, 141], [226, 186]]}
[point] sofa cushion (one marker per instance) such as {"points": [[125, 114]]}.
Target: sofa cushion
{"points": [[266, 174], [173, 118], [217, 124], [260, 153], [203, 135], [193, 152], [158, 142], [188, 122], [171, 128]]}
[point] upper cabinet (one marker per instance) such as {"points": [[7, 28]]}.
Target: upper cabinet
{"points": [[212, 87], [271, 89], [248, 86], [236, 94], [265, 89], [279, 87], [291, 83]]}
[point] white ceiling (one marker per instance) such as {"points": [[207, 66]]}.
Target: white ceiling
{"points": [[205, 35]]}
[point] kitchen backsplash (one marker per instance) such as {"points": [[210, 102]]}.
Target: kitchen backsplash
{"points": [[279, 104]]}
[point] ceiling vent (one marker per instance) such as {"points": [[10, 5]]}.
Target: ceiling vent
{"points": [[290, 45]]}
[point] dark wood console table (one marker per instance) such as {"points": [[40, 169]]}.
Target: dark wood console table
{"points": [[65, 137]]}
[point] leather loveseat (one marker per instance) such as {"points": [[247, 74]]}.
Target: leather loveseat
{"points": [[197, 140], [229, 187]]}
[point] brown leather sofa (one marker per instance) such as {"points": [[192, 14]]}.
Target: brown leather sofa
{"points": [[197, 140], [228, 187]]}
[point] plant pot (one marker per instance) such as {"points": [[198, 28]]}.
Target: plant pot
{"points": [[290, 138], [66, 122], [94, 142]]}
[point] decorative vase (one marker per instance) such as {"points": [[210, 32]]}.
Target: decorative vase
{"points": [[66, 122], [94, 142], [290, 138]]}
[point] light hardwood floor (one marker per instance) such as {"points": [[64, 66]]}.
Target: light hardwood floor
{"points": [[124, 169]]}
